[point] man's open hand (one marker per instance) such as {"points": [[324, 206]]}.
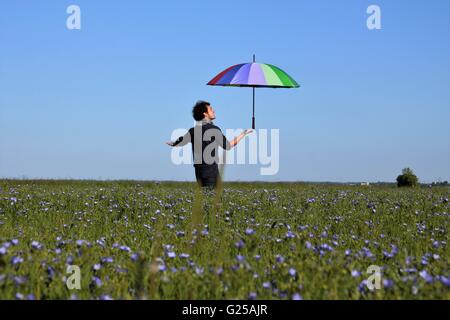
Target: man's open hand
{"points": [[170, 143]]}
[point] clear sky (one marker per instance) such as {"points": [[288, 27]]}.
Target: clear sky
{"points": [[101, 101]]}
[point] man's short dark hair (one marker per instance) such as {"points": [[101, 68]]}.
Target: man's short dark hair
{"points": [[200, 108]]}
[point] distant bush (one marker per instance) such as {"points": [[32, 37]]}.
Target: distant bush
{"points": [[407, 178]]}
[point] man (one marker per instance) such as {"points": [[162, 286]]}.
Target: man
{"points": [[206, 137]]}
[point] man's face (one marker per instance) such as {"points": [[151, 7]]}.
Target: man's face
{"points": [[210, 113]]}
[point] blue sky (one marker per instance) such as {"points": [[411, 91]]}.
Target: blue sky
{"points": [[101, 101]]}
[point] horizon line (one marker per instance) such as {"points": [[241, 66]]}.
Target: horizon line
{"points": [[227, 181]]}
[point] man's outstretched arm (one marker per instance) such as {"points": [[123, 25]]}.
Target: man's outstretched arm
{"points": [[227, 145], [181, 141]]}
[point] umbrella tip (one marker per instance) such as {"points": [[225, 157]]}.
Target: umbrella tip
{"points": [[253, 58]]}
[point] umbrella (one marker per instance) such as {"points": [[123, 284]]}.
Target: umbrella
{"points": [[254, 75]]}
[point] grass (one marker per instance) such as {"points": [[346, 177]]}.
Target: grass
{"points": [[147, 240]]}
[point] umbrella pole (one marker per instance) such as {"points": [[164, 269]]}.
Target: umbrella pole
{"points": [[253, 118]]}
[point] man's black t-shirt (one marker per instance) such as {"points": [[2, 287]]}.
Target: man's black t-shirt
{"points": [[205, 139]]}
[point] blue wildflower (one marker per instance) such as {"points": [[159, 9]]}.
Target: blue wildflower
{"points": [[292, 272], [444, 280], [125, 248], [107, 260], [426, 276], [363, 285], [19, 280], [355, 273], [279, 258], [199, 270], [69, 260], [424, 261], [162, 267], [36, 245], [219, 270], [239, 244], [96, 281], [51, 272], [252, 296], [290, 235], [16, 260], [388, 283], [297, 296]]}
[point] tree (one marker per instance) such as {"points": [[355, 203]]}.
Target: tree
{"points": [[407, 178]]}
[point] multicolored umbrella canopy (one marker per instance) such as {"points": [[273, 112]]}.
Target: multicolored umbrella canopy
{"points": [[254, 75]]}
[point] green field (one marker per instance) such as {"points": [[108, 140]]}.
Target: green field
{"points": [[149, 240]]}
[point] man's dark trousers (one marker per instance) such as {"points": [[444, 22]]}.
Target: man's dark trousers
{"points": [[207, 175]]}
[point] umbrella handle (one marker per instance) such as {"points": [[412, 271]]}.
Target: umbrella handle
{"points": [[253, 123]]}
